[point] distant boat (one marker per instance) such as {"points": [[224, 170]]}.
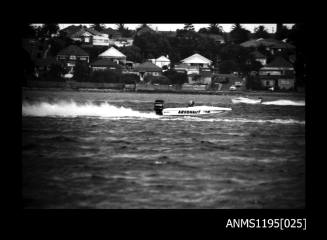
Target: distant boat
{"points": [[247, 100]]}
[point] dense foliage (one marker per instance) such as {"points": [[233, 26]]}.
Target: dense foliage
{"points": [[176, 77], [107, 76], [81, 72]]}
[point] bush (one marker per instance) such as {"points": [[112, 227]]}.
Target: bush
{"points": [[129, 78], [107, 76], [176, 77], [54, 74], [253, 82], [81, 72], [157, 79], [161, 80]]}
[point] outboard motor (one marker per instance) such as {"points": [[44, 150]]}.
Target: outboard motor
{"points": [[158, 106]]}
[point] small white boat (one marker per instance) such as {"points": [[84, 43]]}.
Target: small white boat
{"points": [[246, 100], [187, 111]]}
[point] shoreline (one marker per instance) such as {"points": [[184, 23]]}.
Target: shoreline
{"points": [[231, 93]]}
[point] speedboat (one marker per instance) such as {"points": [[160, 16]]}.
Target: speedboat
{"points": [[246, 100], [187, 111]]}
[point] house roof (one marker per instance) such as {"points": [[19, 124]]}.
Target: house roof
{"points": [[113, 53], [73, 50], [71, 29], [104, 62], [162, 59], [148, 67], [94, 32], [258, 54], [197, 58], [86, 30], [268, 42], [278, 62], [112, 33]]}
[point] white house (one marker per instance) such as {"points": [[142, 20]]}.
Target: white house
{"points": [[197, 60], [91, 36], [122, 42], [161, 61], [113, 54]]}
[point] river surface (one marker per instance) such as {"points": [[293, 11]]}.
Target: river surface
{"points": [[109, 150]]}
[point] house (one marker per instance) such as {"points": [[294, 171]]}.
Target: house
{"points": [[105, 64], [161, 61], [148, 68], [259, 57], [71, 55], [270, 44], [202, 78], [122, 42], [112, 33], [115, 55], [68, 31], [185, 68], [278, 73], [91, 36], [197, 60]]}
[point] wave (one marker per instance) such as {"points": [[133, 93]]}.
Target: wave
{"points": [[240, 120], [72, 109], [283, 102]]}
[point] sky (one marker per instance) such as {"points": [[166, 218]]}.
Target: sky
{"points": [[172, 27]]}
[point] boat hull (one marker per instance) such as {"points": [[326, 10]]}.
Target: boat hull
{"points": [[194, 111]]}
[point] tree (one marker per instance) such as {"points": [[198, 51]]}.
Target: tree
{"points": [[239, 34], [120, 26], [176, 77], [203, 30], [282, 32], [261, 32], [214, 28], [188, 27], [143, 25], [98, 27], [133, 53], [48, 29], [152, 44], [228, 66], [125, 32]]}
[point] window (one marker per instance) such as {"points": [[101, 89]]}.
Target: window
{"points": [[83, 58], [72, 57]]}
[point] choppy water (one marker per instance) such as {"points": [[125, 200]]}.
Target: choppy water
{"points": [[109, 150]]}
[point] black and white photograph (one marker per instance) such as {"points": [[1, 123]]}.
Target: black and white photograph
{"points": [[163, 115]]}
